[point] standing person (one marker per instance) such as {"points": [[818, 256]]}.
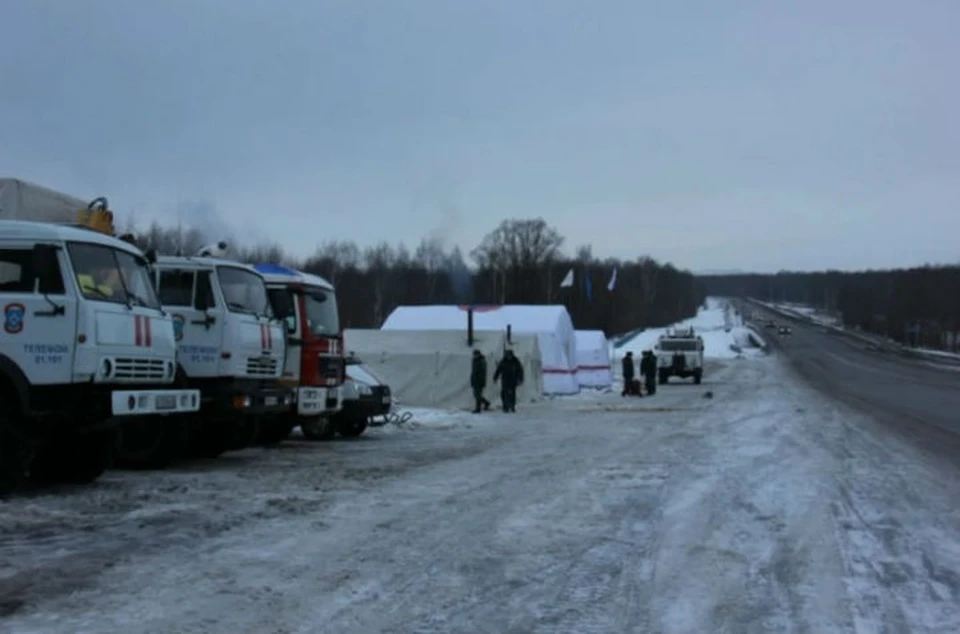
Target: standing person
{"points": [[510, 373], [628, 374], [478, 381], [648, 367]]}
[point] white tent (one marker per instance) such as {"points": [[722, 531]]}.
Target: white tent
{"points": [[431, 368], [593, 359], [551, 324]]}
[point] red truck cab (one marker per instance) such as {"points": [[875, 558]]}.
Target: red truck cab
{"points": [[314, 363]]}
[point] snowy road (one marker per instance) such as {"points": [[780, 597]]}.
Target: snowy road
{"points": [[913, 397], [763, 509]]}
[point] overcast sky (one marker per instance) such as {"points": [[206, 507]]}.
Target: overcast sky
{"points": [[734, 134]]}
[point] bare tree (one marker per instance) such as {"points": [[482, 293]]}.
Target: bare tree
{"points": [[378, 261], [332, 258], [431, 257], [515, 249]]}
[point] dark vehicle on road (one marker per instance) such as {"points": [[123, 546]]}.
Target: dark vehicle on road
{"points": [[784, 330]]}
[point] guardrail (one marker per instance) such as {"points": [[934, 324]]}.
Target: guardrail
{"points": [[620, 341]]}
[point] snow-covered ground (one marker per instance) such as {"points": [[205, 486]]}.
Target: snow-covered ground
{"points": [[724, 334], [813, 314], [761, 508]]}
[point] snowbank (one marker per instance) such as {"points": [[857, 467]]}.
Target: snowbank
{"points": [[723, 332]]}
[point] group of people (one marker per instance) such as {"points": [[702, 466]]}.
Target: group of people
{"points": [[648, 369], [510, 374]]}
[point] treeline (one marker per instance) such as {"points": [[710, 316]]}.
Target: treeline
{"points": [[519, 262], [918, 306]]}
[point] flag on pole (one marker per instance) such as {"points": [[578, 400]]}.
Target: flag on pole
{"points": [[613, 281], [568, 280]]}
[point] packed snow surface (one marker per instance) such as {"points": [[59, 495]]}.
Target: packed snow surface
{"points": [[760, 508], [724, 334]]}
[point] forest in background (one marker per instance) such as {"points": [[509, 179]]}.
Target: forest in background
{"points": [[519, 262], [918, 306]]}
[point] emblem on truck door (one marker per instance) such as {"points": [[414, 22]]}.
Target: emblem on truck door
{"points": [[13, 315]]}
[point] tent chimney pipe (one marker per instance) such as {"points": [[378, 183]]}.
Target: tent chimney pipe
{"points": [[509, 334], [470, 326]]}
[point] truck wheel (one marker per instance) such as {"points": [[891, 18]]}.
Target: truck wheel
{"points": [[318, 428], [243, 433], [207, 440], [152, 443], [352, 428], [16, 454], [663, 378], [274, 431], [697, 377], [76, 459]]}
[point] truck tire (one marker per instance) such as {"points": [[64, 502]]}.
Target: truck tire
{"points": [[243, 433], [318, 428], [207, 440], [275, 431], [152, 443], [16, 455], [16, 450], [79, 459], [352, 428], [663, 378], [697, 376]]}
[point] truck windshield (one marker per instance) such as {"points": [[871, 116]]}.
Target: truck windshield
{"points": [[680, 344], [322, 317], [244, 291], [106, 274]]}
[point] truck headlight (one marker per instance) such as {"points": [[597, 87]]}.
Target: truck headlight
{"points": [[106, 368]]}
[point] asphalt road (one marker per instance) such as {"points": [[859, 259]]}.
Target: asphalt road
{"points": [[910, 396]]}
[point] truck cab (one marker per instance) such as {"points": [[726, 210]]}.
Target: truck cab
{"points": [[679, 353], [231, 347], [307, 304], [84, 347]]}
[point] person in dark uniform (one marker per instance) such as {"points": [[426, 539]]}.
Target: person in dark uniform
{"points": [[510, 373], [478, 381], [648, 368], [628, 374]]}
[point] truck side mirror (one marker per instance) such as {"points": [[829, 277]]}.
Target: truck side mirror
{"points": [[151, 256]]}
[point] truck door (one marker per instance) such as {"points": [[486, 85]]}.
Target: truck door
{"points": [[38, 311], [198, 322], [286, 308]]}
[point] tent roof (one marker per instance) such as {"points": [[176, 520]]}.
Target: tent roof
{"points": [[419, 342], [521, 318], [591, 339]]}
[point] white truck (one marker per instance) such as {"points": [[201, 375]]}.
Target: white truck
{"points": [[314, 364], [231, 347], [679, 353], [84, 344]]}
